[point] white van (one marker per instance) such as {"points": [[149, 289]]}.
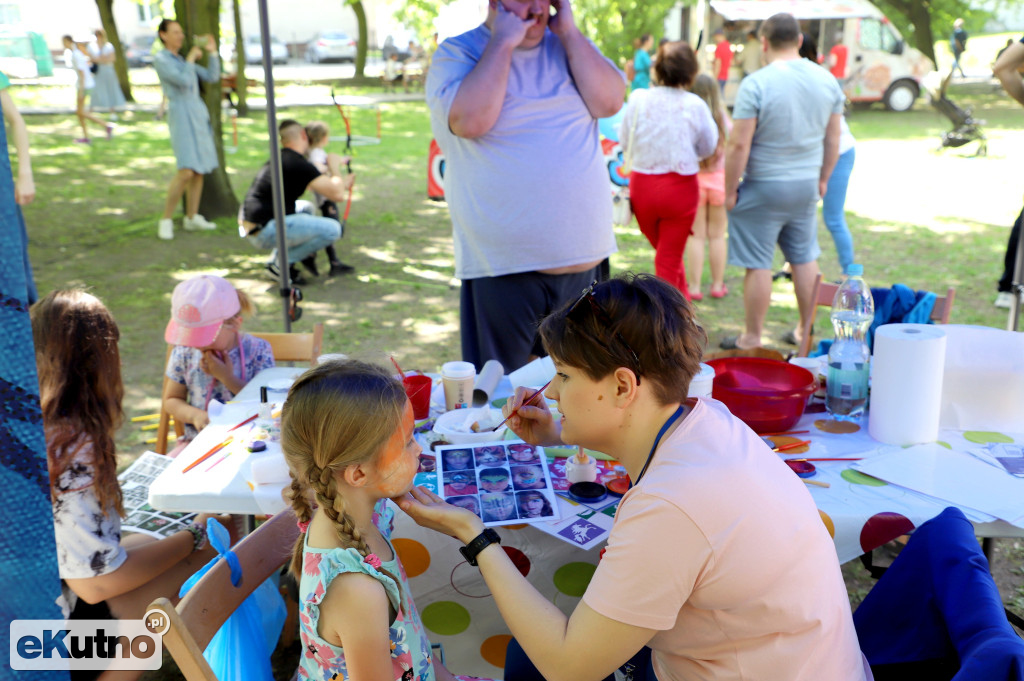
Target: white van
{"points": [[879, 65]]}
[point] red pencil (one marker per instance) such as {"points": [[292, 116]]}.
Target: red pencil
{"points": [[208, 454], [855, 458]]}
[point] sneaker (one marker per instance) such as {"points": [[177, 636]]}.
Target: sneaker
{"points": [[83, 140], [165, 229], [197, 222], [110, 132], [338, 268], [1004, 300]]}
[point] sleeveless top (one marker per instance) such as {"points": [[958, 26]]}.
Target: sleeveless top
{"points": [[411, 657]]}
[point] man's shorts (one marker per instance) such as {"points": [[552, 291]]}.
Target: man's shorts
{"points": [[769, 213]]}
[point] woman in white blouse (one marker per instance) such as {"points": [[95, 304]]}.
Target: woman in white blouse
{"points": [[666, 131]]}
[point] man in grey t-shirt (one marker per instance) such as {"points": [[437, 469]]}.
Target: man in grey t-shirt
{"points": [[514, 105], [784, 144]]}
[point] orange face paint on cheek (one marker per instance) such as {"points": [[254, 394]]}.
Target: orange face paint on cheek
{"points": [[398, 462]]}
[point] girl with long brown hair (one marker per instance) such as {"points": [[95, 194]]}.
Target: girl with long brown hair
{"points": [[80, 392]]}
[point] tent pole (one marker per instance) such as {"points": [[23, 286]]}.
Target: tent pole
{"points": [[277, 186]]}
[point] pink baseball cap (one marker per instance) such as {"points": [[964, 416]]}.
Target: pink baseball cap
{"points": [[199, 306]]}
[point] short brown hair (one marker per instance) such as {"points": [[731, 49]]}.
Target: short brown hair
{"points": [[675, 64], [651, 316], [781, 30]]}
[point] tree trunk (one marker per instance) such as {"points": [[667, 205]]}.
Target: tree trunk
{"points": [[110, 27], [199, 17], [357, 7], [241, 84], [918, 15]]}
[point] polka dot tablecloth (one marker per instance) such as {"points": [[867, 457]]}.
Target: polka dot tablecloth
{"points": [[860, 513], [455, 603]]}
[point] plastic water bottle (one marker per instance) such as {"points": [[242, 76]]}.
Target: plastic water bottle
{"points": [[849, 358]]}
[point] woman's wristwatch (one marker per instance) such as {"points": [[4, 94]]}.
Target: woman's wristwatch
{"points": [[471, 550]]}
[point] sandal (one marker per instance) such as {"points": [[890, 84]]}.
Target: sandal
{"points": [[720, 294], [697, 297]]}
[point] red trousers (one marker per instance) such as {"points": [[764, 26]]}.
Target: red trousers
{"points": [[665, 206]]}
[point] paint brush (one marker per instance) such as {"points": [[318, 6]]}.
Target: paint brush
{"points": [[525, 402], [791, 445], [208, 454]]}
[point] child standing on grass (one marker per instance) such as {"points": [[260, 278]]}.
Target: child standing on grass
{"points": [[80, 393], [710, 222], [319, 134], [212, 358], [347, 435]]}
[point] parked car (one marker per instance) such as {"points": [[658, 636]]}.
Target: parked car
{"points": [[139, 51], [331, 45], [254, 50]]}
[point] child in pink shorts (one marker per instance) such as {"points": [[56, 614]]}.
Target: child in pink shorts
{"points": [[710, 222]]}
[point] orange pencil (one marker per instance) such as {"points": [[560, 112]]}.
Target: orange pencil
{"points": [[208, 454]]}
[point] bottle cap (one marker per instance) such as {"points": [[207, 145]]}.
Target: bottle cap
{"points": [[854, 270]]}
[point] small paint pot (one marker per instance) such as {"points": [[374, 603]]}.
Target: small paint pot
{"points": [[587, 492], [257, 446], [804, 469], [618, 486]]}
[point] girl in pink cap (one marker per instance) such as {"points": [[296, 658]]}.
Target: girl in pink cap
{"points": [[212, 358]]}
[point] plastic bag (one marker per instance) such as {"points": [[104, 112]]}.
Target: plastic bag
{"points": [[241, 648]]}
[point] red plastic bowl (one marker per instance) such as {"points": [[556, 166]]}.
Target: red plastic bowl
{"points": [[766, 394]]}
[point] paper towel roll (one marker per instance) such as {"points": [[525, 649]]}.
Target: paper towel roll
{"points": [[906, 383]]}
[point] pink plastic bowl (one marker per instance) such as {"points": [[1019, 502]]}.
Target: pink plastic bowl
{"points": [[766, 394]]}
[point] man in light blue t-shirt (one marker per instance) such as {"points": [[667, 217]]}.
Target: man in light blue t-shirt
{"points": [[514, 105], [784, 145]]}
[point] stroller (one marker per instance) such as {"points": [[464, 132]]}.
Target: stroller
{"points": [[966, 128]]}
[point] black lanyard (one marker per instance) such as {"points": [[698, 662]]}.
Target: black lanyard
{"points": [[668, 424]]}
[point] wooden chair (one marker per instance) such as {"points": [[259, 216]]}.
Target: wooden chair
{"points": [[823, 294], [287, 347], [766, 353], [213, 598]]}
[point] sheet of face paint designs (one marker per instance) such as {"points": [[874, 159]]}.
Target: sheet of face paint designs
{"points": [[582, 525], [504, 483]]}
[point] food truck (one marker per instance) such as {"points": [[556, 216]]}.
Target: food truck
{"points": [[857, 41]]}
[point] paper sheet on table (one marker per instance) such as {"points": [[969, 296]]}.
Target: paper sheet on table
{"points": [[232, 412], [983, 379], [951, 476], [535, 374], [268, 498]]}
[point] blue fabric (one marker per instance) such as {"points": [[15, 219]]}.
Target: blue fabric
{"points": [[187, 115], [833, 208], [28, 552], [938, 601], [896, 305]]}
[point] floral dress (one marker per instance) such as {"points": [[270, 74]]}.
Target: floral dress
{"points": [[411, 655]]}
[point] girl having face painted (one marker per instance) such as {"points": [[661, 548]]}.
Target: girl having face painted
{"points": [[347, 435]]}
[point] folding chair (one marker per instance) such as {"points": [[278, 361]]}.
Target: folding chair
{"points": [[936, 612], [822, 296], [287, 347], [213, 598]]}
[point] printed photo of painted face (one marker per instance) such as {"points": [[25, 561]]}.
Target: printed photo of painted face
{"points": [[533, 505], [498, 507], [494, 480], [468, 503], [523, 454], [457, 460], [489, 456], [528, 477], [459, 482]]}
